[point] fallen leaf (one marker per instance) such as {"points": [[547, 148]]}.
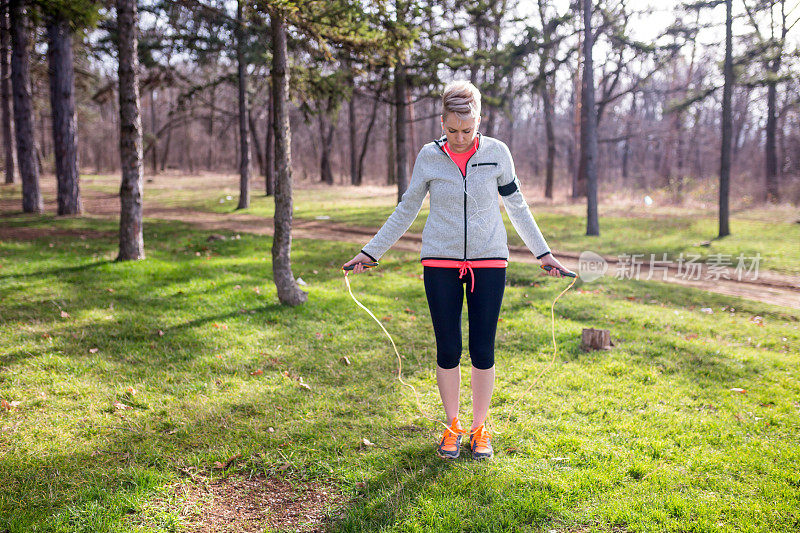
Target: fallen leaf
{"points": [[737, 389], [64, 314], [231, 459], [218, 465], [5, 404], [131, 391], [256, 372]]}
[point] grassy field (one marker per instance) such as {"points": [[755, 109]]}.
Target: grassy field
{"points": [[129, 375], [772, 232]]}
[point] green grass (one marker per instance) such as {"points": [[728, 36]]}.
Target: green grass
{"points": [[773, 234], [646, 437]]}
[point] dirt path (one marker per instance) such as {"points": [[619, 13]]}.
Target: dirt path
{"points": [[769, 287]]}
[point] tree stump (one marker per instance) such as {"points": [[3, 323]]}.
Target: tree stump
{"points": [[596, 339]]}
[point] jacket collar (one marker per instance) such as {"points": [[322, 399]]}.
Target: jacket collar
{"points": [[443, 139]]}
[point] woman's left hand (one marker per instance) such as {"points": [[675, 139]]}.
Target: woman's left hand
{"points": [[549, 259]]}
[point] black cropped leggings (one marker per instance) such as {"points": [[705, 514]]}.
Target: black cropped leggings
{"points": [[445, 292]]}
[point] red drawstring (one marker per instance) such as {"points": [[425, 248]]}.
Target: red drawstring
{"points": [[466, 266], [463, 267]]}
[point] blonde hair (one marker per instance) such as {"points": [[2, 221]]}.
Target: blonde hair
{"points": [[462, 98]]}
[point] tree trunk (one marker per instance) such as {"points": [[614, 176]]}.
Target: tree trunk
{"points": [[210, 130], [244, 134], [288, 291], [65, 126], [153, 131], [131, 240], [365, 144], [578, 183], [42, 148], [770, 151], [626, 147], [401, 149], [167, 141], [355, 176], [10, 156], [547, 103], [391, 144], [590, 148], [326, 139], [23, 107], [257, 147], [165, 151], [727, 127], [269, 150]]}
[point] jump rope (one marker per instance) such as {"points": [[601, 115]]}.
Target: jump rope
{"points": [[347, 271]]}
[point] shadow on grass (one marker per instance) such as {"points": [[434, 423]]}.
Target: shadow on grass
{"points": [[59, 271]]}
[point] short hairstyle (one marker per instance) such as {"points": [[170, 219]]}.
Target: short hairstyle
{"points": [[462, 98]]}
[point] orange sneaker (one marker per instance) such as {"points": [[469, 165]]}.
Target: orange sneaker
{"points": [[450, 444], [480, 442]]}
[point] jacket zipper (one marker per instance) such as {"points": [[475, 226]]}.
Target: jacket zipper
{"points": [[464, 175]]}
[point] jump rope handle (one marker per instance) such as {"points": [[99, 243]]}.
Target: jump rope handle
{"points": [[563, 272], [366, 265]]}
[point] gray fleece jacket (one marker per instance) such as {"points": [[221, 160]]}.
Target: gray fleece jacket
{"points": [[464, 221]]}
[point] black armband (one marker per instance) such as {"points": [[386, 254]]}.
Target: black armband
{"points": [[508, 188]]}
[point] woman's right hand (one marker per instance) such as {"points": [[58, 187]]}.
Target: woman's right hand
{"points": [[358, 261]]}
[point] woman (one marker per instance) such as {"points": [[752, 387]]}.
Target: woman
{"points": [[464, 242]]}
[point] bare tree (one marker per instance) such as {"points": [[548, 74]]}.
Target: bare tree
{"points": [[131, 239], [401, 146], [269, 150], [727, 129], [355, 177], [288, 291], [590, 138], [244, 134], [5, 97], [23, 107], [64, 119]]}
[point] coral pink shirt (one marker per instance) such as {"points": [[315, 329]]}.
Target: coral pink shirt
{"points": [[461, 159]]}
